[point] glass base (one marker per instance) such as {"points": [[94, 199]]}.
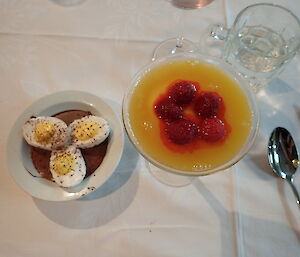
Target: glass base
{"points": [[173, 46], [190, 4], [68, 3], [168, 178]]}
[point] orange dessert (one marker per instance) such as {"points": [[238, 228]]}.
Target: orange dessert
{"points": [[179, 132]]}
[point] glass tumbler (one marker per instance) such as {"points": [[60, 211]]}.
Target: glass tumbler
{"points": [[261, 41]]}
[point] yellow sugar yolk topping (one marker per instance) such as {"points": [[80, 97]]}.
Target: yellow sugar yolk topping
{"points": [[86, 130], [44, 131], [63, 164], [146, 127]]}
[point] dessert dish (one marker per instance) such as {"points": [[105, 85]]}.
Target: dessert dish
{"points": [[190, 114], [27, 164]]}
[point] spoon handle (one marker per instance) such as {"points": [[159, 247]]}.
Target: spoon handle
{"points": [[294, 191]]}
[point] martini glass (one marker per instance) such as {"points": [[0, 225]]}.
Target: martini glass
{"points": [[143, 130], [179, 44]]}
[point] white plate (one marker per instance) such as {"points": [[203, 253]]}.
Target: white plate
{"points": [[18, 154]]}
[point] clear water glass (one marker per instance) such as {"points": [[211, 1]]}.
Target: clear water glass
{"points": [[261, 41]]}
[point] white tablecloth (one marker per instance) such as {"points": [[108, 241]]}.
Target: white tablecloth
{"points": [[97, 46]]}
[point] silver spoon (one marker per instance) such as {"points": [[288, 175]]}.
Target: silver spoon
{"points": [[283, 157]]}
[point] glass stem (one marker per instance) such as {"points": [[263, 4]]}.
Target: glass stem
{"points": [[179, 42], [181, 28]]}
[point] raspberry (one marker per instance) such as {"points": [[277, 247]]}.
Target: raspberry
{"points": [[208, 105], [212, 129], [182, 131], [167, 110], [182, 92]]}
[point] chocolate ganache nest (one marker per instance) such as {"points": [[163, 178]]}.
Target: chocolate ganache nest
{"points": [[67, 147]]}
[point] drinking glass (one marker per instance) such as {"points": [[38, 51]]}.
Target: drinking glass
{"points": [[179, 44], [262, 40]]}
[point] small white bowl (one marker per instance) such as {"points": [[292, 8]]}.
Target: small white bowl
{"points": [[18, 154]]}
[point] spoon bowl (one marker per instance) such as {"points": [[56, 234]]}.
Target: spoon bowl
{"points": [[283, 157]]}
